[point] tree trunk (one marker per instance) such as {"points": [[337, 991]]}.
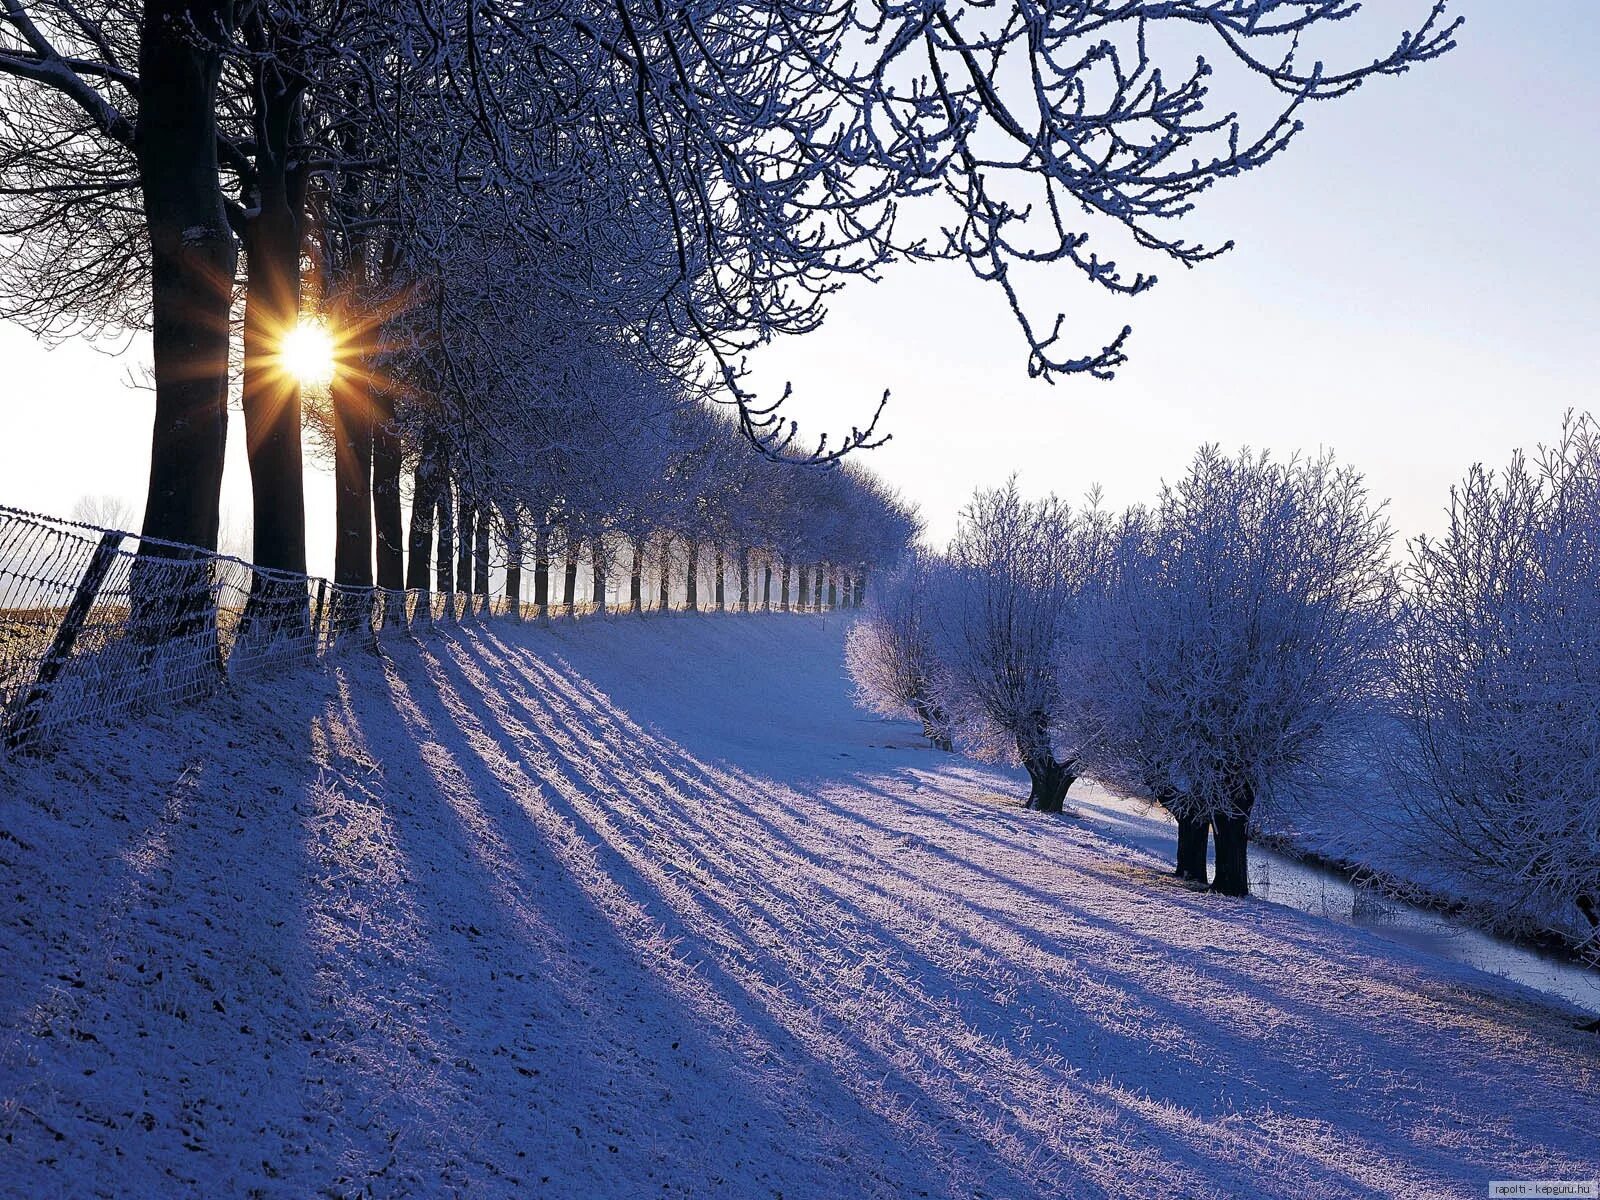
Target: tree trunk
{"points": [[601, 571], [636, 578], [1193, 832], [387, 517], [193, 257], [424, 497], [352, 551], [833, 589], [720, 594], [804, 588], [744, 579], [664, 600], [569, 601], [766, 588], [692, 599], [480, 554], [1050, 781], [466, 536], [541, 573], [270, 395], [509, 515], [783, 569], [445, 571], [1233, 870], [1231, 829]]}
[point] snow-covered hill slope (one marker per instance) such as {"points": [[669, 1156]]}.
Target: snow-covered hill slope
{"points": [[641, 908]]}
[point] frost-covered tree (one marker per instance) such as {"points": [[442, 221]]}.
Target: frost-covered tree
{"points": [[1007, 591], [1237, 644], [1500, 680], [890, 651]]}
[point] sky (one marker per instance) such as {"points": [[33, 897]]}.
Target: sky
{"points": [[1413, 287]]}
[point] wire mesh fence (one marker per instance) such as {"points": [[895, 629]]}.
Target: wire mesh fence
{"points": [[97, 624]]}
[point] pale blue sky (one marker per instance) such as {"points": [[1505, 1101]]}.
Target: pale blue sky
{"points": [[1414, 287]]}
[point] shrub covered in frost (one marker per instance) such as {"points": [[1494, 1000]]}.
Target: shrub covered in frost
{"points": [[1500, 680], [890, 652]]}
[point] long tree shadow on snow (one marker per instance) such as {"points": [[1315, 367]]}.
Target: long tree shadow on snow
{"points": [[661, 804], [695, 793]]}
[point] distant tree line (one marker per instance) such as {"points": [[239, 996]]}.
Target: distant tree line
{"points": [[1251, 636]]}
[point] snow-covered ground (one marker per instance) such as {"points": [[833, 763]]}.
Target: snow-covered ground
{"points": [[637, 908]]}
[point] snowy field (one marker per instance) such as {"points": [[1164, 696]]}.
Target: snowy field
{"points": [[648, 908]]}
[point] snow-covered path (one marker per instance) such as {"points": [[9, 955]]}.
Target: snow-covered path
{"points": [[647, 908]]}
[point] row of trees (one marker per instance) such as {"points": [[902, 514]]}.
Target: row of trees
{"points": [[680, 508], [1251, 636], [540, 229]]}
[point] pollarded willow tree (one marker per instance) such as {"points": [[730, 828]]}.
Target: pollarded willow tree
{"points": [[1500, 678], [1234, 649], [1004, 598]]}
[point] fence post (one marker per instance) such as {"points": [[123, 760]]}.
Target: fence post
{"points": [[26, 719], [316, 618]]}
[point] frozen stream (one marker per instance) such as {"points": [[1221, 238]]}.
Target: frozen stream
{"points": [[1314, 889]]}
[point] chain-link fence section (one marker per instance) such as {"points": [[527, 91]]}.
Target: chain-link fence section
{"points": [[96, 624]]}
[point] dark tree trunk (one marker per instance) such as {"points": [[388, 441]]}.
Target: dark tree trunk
{"points": [[1193, 833], [352, 550], [480, 556], [387, 517], [766, 587], [1050, 781], [466, 535], [804, 588], [636, 578], [783, 568], [861, 587], [352, 553], [514, 547], [744, 579], [816, 586], [193, 257], [597, 583], [833, 590], [445, 568], [1231, 829], [721, 595], [270, 395], [1233, 868], [692, 599], [569, 601], [664, 600], [541, 573], [424, 497]]}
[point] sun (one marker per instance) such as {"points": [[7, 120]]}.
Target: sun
{"points": [[307, 353]]}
